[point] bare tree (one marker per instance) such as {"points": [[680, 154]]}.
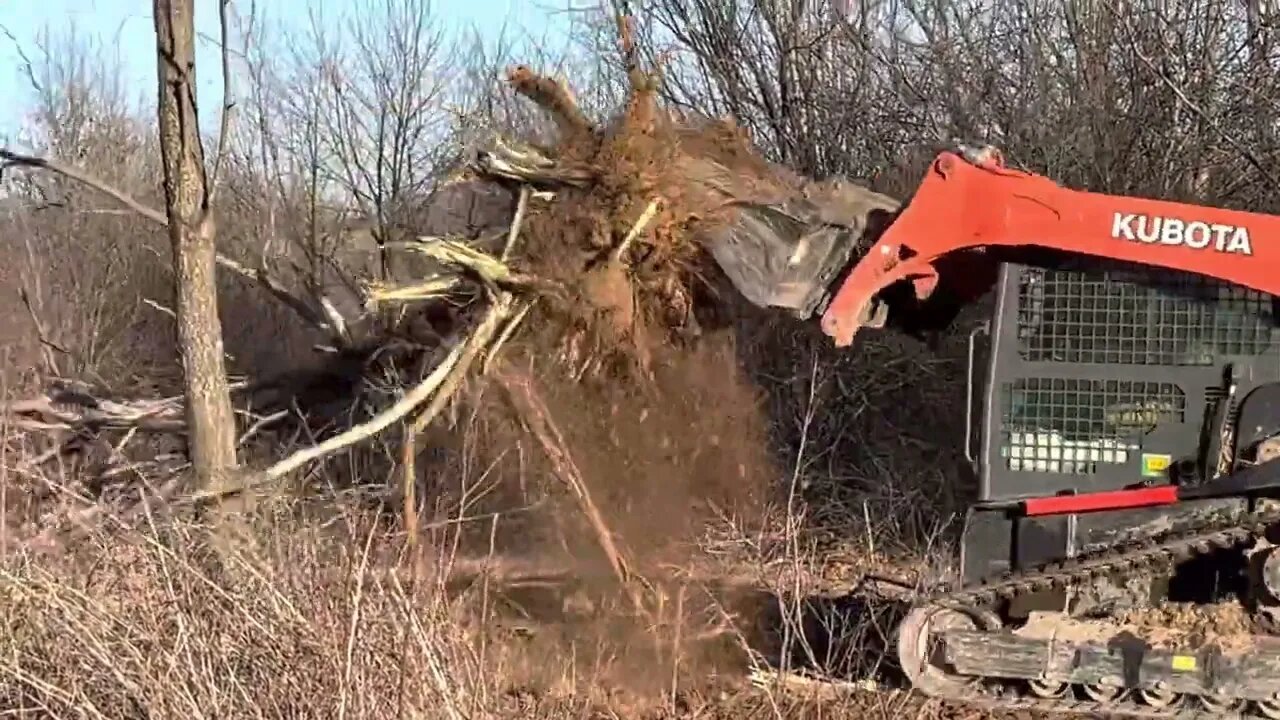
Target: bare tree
{"points": [[81, 288], [1086, 92], [192, 231], [381, 97]]}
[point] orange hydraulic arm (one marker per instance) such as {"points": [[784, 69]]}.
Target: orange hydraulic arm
{"points": [[976, 205]]}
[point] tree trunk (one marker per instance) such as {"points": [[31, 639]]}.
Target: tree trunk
{"points": [[211, 427]]}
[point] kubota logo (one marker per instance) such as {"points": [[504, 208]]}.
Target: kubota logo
{"points": [[1153, 229]]}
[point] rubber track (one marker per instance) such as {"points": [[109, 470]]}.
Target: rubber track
{"points": [[1132, 559]]}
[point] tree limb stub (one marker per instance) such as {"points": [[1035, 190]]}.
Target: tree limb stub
{"points": [[14, 159], [520, 162]]}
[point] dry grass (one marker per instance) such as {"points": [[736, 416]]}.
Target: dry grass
{"points": [[157, 623], [299, 610], [306, 607]]}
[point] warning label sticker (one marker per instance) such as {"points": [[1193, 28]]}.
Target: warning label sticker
{"points": [[1155, 464]]}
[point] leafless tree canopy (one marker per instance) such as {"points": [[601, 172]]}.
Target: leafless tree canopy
{"points": [[1170, 99]]}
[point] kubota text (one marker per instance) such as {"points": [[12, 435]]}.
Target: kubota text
{"points": [[1152, 230]]}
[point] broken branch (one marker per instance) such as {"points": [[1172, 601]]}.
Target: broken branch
{"points": [[536, 418], [646, 217], [453, 362]]}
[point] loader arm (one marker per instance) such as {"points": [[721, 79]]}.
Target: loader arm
{"points": [[975, 207]]}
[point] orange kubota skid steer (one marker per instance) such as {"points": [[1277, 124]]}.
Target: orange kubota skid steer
{"points": [[1122, 430]]}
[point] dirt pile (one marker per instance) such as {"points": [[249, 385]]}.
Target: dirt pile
{"points": [[624, 248], [1227, 624], [1165, 625]]}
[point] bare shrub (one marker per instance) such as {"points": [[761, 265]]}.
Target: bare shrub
{"points": [[308, 623], [83, 288]]}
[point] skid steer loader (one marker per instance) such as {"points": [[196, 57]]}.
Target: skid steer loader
{"points": [[1122, 429]]}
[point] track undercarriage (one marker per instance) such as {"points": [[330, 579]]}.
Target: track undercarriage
{"points": [[955, 644]]}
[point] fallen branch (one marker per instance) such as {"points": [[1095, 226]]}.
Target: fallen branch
{"points": [[74, 406], [66, 410], [499, 311], [448, 387]]}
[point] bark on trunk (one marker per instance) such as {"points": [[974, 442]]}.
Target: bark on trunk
{"points": [[211, 428]]}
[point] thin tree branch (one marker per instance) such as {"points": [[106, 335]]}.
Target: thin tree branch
{"points": [[457, 361], [228, 103], [9, 158], [336, 331]]}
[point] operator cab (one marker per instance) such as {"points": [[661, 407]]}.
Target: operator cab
{"points": [[1103, 376]]}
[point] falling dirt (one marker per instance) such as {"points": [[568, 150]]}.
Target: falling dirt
{"points": [[618, 425], [628, 358]]}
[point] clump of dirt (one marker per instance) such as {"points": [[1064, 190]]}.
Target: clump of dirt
{"points": [[1227, 624], [1165, 625], [625, 250]]}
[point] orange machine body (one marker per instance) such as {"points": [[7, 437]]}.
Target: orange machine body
{"points": [[975, 206]]}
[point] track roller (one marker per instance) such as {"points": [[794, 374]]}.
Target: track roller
{"points": [[1220, 704], [918, 653], [1102, 694], [1159, 698], [1048, 689], [1268, 708]]}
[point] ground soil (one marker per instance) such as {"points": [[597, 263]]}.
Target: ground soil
{"points": [[1167, 624], [760, 705]]}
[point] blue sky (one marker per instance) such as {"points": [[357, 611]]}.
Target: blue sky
{"points": [[124, 28]]}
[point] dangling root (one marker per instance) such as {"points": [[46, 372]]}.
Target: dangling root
{"points": [[555, 97]]}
